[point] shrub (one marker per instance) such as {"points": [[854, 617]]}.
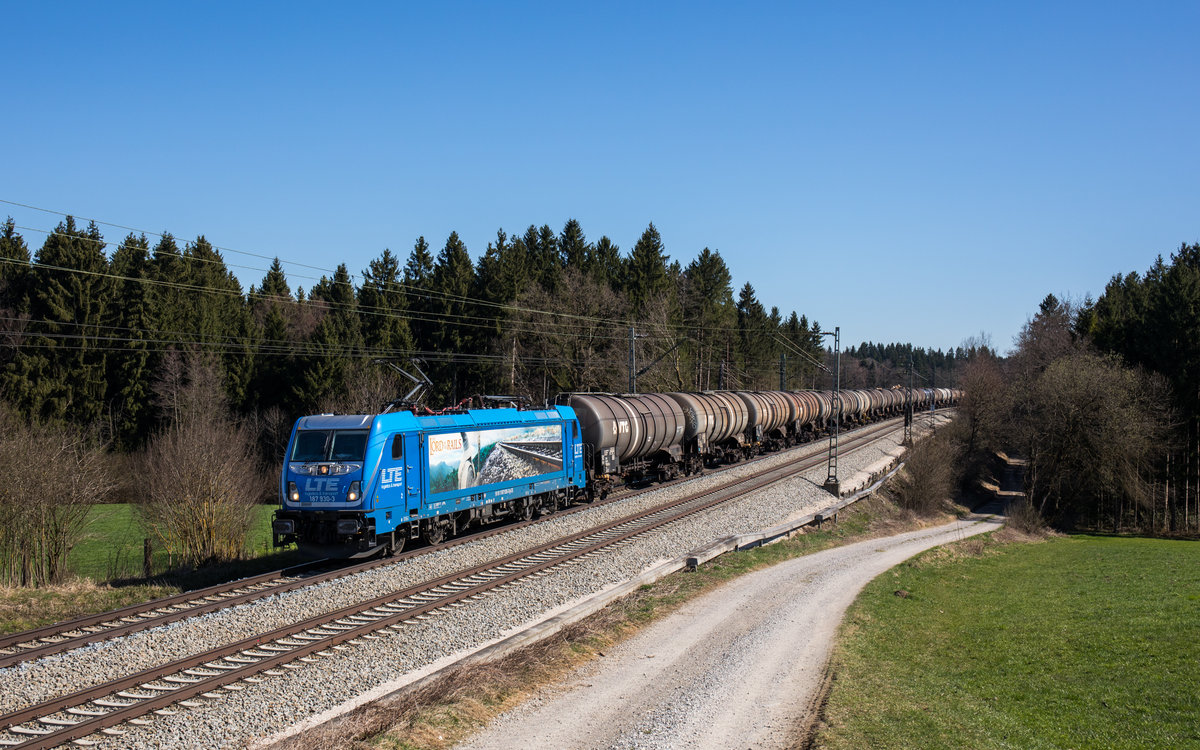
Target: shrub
{"points": [[201, 474], [201, 484], [53, 477], [928, 479]]}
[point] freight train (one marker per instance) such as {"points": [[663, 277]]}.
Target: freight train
{"points": [[357, 485]]}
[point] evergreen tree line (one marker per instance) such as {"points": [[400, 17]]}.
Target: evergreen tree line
{"points": [[1102, 398], [880, 365], [1152, 322], [97, 340]]}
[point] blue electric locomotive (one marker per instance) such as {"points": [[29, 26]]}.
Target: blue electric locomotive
{"points": [[353, 485]]}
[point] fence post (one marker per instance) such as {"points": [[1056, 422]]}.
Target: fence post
{"points": [[146, 557]]}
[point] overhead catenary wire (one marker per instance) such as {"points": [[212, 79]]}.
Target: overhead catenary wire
{"points": [[410, 315], [403, 286], [791, 346], [407, 288]]}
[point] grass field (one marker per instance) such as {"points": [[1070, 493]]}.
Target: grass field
{"points": [[1080, 642], [112, 544], [111, 553]]}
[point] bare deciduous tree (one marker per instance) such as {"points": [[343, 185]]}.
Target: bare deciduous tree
{"points": [[929, 477], [54, 477], [201, 475]]}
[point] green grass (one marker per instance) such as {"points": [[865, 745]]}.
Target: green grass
{"points": [[111, 547], [106, 571], [1080, 642]]}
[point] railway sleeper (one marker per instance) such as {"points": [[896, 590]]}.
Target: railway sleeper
{"points": [[135, 696], [191, 680], [32, 731]]}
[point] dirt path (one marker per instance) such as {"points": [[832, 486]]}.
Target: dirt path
{"points": [[739, 667]]}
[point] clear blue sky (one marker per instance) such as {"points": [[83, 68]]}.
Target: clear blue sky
{"points": [[908, 171]]}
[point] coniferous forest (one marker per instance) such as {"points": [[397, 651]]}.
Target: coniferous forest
{"points": [[103, 335]]}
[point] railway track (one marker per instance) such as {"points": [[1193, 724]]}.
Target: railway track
{"points": [[186, 682], [29, 645]]}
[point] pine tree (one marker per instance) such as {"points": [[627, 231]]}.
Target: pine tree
{"points": [[275, 314], [453, 278], [605, 264], [573, 246], [335, 344], [71, 292], [499, 277], [418, 278], [755, 339], [646, 273], [382, 304], [171, 305], [130, 371], [709, 313], [220, 318], [15, 280], [545, 263], [274, 284]]}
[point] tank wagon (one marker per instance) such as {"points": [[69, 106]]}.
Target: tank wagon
{"points": [[356, 485]]}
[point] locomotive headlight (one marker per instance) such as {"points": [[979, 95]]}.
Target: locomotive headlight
{"points": [[355, 489], [293, 492]]}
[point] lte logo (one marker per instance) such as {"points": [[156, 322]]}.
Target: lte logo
{"points": [[321, 485], [393, 475]]}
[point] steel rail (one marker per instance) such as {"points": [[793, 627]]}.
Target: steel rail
{"points": [[63, 636], [202, 673]]}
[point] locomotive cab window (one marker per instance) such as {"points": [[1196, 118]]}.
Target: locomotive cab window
{"points": [[348, 445], [398, 447], [330, 445], [310, 445]]}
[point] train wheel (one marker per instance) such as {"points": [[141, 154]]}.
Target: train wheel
{"points": [[394, 545], [525, 512], [435, 533]]}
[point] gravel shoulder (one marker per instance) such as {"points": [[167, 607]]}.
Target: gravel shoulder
{"points": [[739, 667]]}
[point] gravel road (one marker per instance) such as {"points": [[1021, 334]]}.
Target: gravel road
{"points": [[737, 668]]}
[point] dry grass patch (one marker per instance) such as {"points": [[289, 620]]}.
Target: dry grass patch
{"points": [[28, 608]]}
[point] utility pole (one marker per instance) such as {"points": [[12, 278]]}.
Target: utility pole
{"points": [[633, 373], [831, 479], [783, 371], [932, 387], [908, 404], [632, 363]]}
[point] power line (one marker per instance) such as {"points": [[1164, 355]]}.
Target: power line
{"points": [[441, 318], [413, 288], [408, 288]]}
